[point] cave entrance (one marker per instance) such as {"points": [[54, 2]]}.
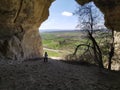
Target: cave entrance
{"points": [[59, 33], [54, 29]]}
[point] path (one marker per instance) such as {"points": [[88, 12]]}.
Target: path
{"points": [[55, 75], [53, 50]]}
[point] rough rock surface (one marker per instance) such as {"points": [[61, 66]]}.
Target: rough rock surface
{"points": [[19, 22], [116, 58]]}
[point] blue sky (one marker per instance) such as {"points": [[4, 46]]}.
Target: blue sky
{"points": [[61, 15]]}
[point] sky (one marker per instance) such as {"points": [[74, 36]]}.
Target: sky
{"points": [[61, 16]]}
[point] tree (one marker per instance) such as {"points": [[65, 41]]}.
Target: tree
{"points": [[112, 47], [87, 20]]}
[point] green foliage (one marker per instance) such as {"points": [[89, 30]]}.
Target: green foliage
{"points": [[66, 41], [62, 40]]}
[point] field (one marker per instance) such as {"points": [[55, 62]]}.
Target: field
{"points": [[62, 43]]}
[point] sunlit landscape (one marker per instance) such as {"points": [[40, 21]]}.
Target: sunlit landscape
{"points": [[60, 44]]}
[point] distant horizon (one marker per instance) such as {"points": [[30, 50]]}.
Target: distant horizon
{"points": [[58, 29], [67, 29]]}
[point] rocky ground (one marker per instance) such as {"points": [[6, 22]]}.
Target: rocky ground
{"points": [[56, 75]]}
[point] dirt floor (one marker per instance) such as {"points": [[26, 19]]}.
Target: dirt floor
{"points": [[56, 75]]}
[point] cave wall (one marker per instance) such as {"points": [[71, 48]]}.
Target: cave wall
{"points": [[19, 22]]}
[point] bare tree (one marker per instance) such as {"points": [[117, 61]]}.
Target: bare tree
{"points": [[87, 20], [112, 47]]}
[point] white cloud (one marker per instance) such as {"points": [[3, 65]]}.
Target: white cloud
{"points": [[65, 13]]}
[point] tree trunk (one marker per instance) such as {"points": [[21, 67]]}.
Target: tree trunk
{"points": [[111, 53]]}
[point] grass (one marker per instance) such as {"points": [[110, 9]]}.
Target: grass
{"points": [[67, 41], [61, 40]]}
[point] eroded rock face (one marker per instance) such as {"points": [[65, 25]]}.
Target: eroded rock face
{"points": [[19, 22]]}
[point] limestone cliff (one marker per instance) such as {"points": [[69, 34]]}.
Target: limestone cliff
{"points": [[19, 22]]}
